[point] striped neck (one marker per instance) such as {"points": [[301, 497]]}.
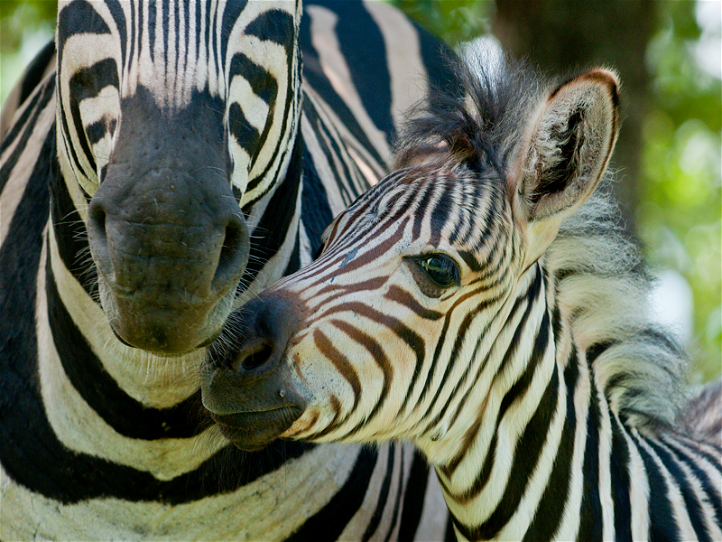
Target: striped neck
{"points": [[547, 456], [497, 475]]}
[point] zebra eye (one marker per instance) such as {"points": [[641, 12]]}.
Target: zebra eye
{"points": [[440, 269]]}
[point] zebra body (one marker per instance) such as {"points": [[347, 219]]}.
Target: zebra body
{"points": [[485, 304], [174, 143]]}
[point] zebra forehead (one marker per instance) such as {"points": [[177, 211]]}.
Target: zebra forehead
{"points": [[176, 49], [441, 192]]}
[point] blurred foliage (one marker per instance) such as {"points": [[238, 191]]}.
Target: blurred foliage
{"points": [[679, 216], [25, 26], [454, 21]]}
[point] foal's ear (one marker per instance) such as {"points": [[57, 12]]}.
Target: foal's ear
{"points": [[565, 150]]}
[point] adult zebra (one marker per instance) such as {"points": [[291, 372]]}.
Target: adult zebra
{"points": [[121, 179], [478, 306]]}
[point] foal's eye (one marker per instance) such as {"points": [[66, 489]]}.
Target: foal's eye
{"points": [[441, 269]]}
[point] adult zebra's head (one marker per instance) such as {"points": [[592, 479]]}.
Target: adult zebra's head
{"points": [[175, 122], [424, 280]]}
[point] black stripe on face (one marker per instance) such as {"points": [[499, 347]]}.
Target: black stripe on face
{"points": [[276, 26], [374, 350], [428, 193], [441, 213], [265, 86], [88, 83], [245, 134], [341, 363], [150, 27], [262, 82], [275, 224], [116, 9], [329, 522], [98, 129], [231, 13], [80, 17]]}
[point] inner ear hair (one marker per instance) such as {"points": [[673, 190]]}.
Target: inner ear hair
{"points": [[567, 145]]}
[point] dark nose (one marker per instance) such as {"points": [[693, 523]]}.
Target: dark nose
{"points": [[246, 384], [165, 229], [255, 338], [245, 369], [168, 245]]}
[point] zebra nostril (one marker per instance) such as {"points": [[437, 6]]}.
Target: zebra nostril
{"points": [[253, 359], [98, 238], [233, 254], [96, 222]]}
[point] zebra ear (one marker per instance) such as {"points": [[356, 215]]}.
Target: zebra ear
{"points": [[566, 147]]}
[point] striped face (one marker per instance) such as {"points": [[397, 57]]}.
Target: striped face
{"points": [[176, 122], [415, 274], [427, 250], [235, 62], [431, 296]]}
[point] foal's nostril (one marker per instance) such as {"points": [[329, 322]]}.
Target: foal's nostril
{"points": [[254, 359]]}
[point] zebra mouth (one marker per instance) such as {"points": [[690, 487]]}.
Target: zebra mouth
{"points": [[250, 431]]}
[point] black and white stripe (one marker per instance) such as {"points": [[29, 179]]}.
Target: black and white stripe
{"points": [[100, 440], [485, 304]]}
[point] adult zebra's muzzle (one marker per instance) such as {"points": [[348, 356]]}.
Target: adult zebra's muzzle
{"points": [[167, 287], [246, 382], [166, 232]]}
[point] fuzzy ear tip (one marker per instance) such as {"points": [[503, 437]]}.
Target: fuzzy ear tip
{"points": [[607, 77]]}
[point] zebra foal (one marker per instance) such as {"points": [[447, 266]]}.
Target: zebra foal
{"points": [[486, 305]]}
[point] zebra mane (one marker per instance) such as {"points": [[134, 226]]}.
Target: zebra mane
{"points": [[602, 281], [478, 122]]}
